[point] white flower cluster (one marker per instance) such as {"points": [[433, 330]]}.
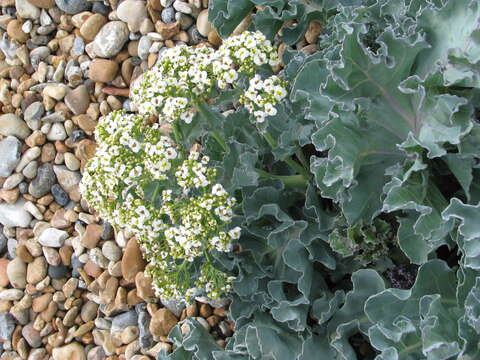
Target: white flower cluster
{"points": [[243, 54], [262, 96], [139, 179], [170, 88], [187, 76]]}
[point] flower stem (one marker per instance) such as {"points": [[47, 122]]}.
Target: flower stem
{"points": [[290, 162], [288, 180], [206, 113]]}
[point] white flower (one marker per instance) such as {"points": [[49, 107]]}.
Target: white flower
{"points": [[235, 233], [270, 110], [259, 116]]}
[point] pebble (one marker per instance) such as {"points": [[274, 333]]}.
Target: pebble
{"points": [[32, 336], [16, 31], [36, 270], [110, 40], [144, 47], [102, 70], [60, 196], [111, 251], [7, 326], [26, 10], [133, 12], [98, 258], [44, 180], [120, 322], [9, 155], [57, 272], [11, 294], [17, 273], [78, 100], [56, 92], [162, 322], [67, 179], [33, 114], [168, 15], [4, 281], [12, 125], [71, 162], [53, 237], [92, 26], [73, 6], [129, 334], [203, 25], [144, 286], [166, 3], [45, 4], [57, 132], [145, 337], [92, 235], [14, 215], [72, 351], [132, 260]]}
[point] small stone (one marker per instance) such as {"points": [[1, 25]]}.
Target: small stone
{"points": [[161, 346], [45, 4], [97, 257], [26, 10], [92, 235], [52, 237], [7, 326], [78, 100], [168, 15], [12, 125], [33, 114], [15, 31], [73, 6], [72, 351], [121, 321], [36, 270], [69, 287], [11, 294], [111, 38], [57, 272], [174, 305], [67, 179], [56, 92], [89, 311], [23, 253], [203, 25], [78, 48], [129, 334], [162, 322], [14, 215], [42, 183], [57, 132], [41, 302], [144, 286], [167, 31], [144, 47], [132, 260], [102, 70], [10, 149], [71, 162], [111, 251], [4, 281], [17, 273], [92, 26], [61, 197], [31, 335], [133, 12]]}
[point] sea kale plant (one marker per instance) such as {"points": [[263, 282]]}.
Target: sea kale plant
{"points": [[345, 178]]}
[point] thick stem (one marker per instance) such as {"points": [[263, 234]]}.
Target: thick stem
{"points": [[290, 162], [288, 180], [206, 113]]}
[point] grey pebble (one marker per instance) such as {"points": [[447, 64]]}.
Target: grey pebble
{"points": [[73, 6]]}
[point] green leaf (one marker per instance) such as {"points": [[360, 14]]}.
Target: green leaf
{"points": [[225, 15]]}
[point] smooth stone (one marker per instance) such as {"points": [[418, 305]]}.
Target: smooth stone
{"points": [[56, 92], [57, 132], [17, 273], [36, 270], [145, 338], [133, 12], [44, 180], [10, 149], [144, 47], [103, 70], [203, 25], [14, 215], [32, 336], [168, 15], [144, 287], [11, 294], [71, 162], [92, 26], [120, 322], [7, 326], [78, 100], [12, 125], [98, 258], [111, 38], [60, 196], [53, 237], [4, 281], [34, 112], [132, 260], [72, 351], [107, 231], [57, 272], [162, 322], [26, 10], [73, 6], [78, 47], [67, 179], [175, 306], [45, 4], [111, 251]]}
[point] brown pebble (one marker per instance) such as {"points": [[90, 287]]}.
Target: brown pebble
{"points": [[24, 254], [14, 30], [103, 70]]}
